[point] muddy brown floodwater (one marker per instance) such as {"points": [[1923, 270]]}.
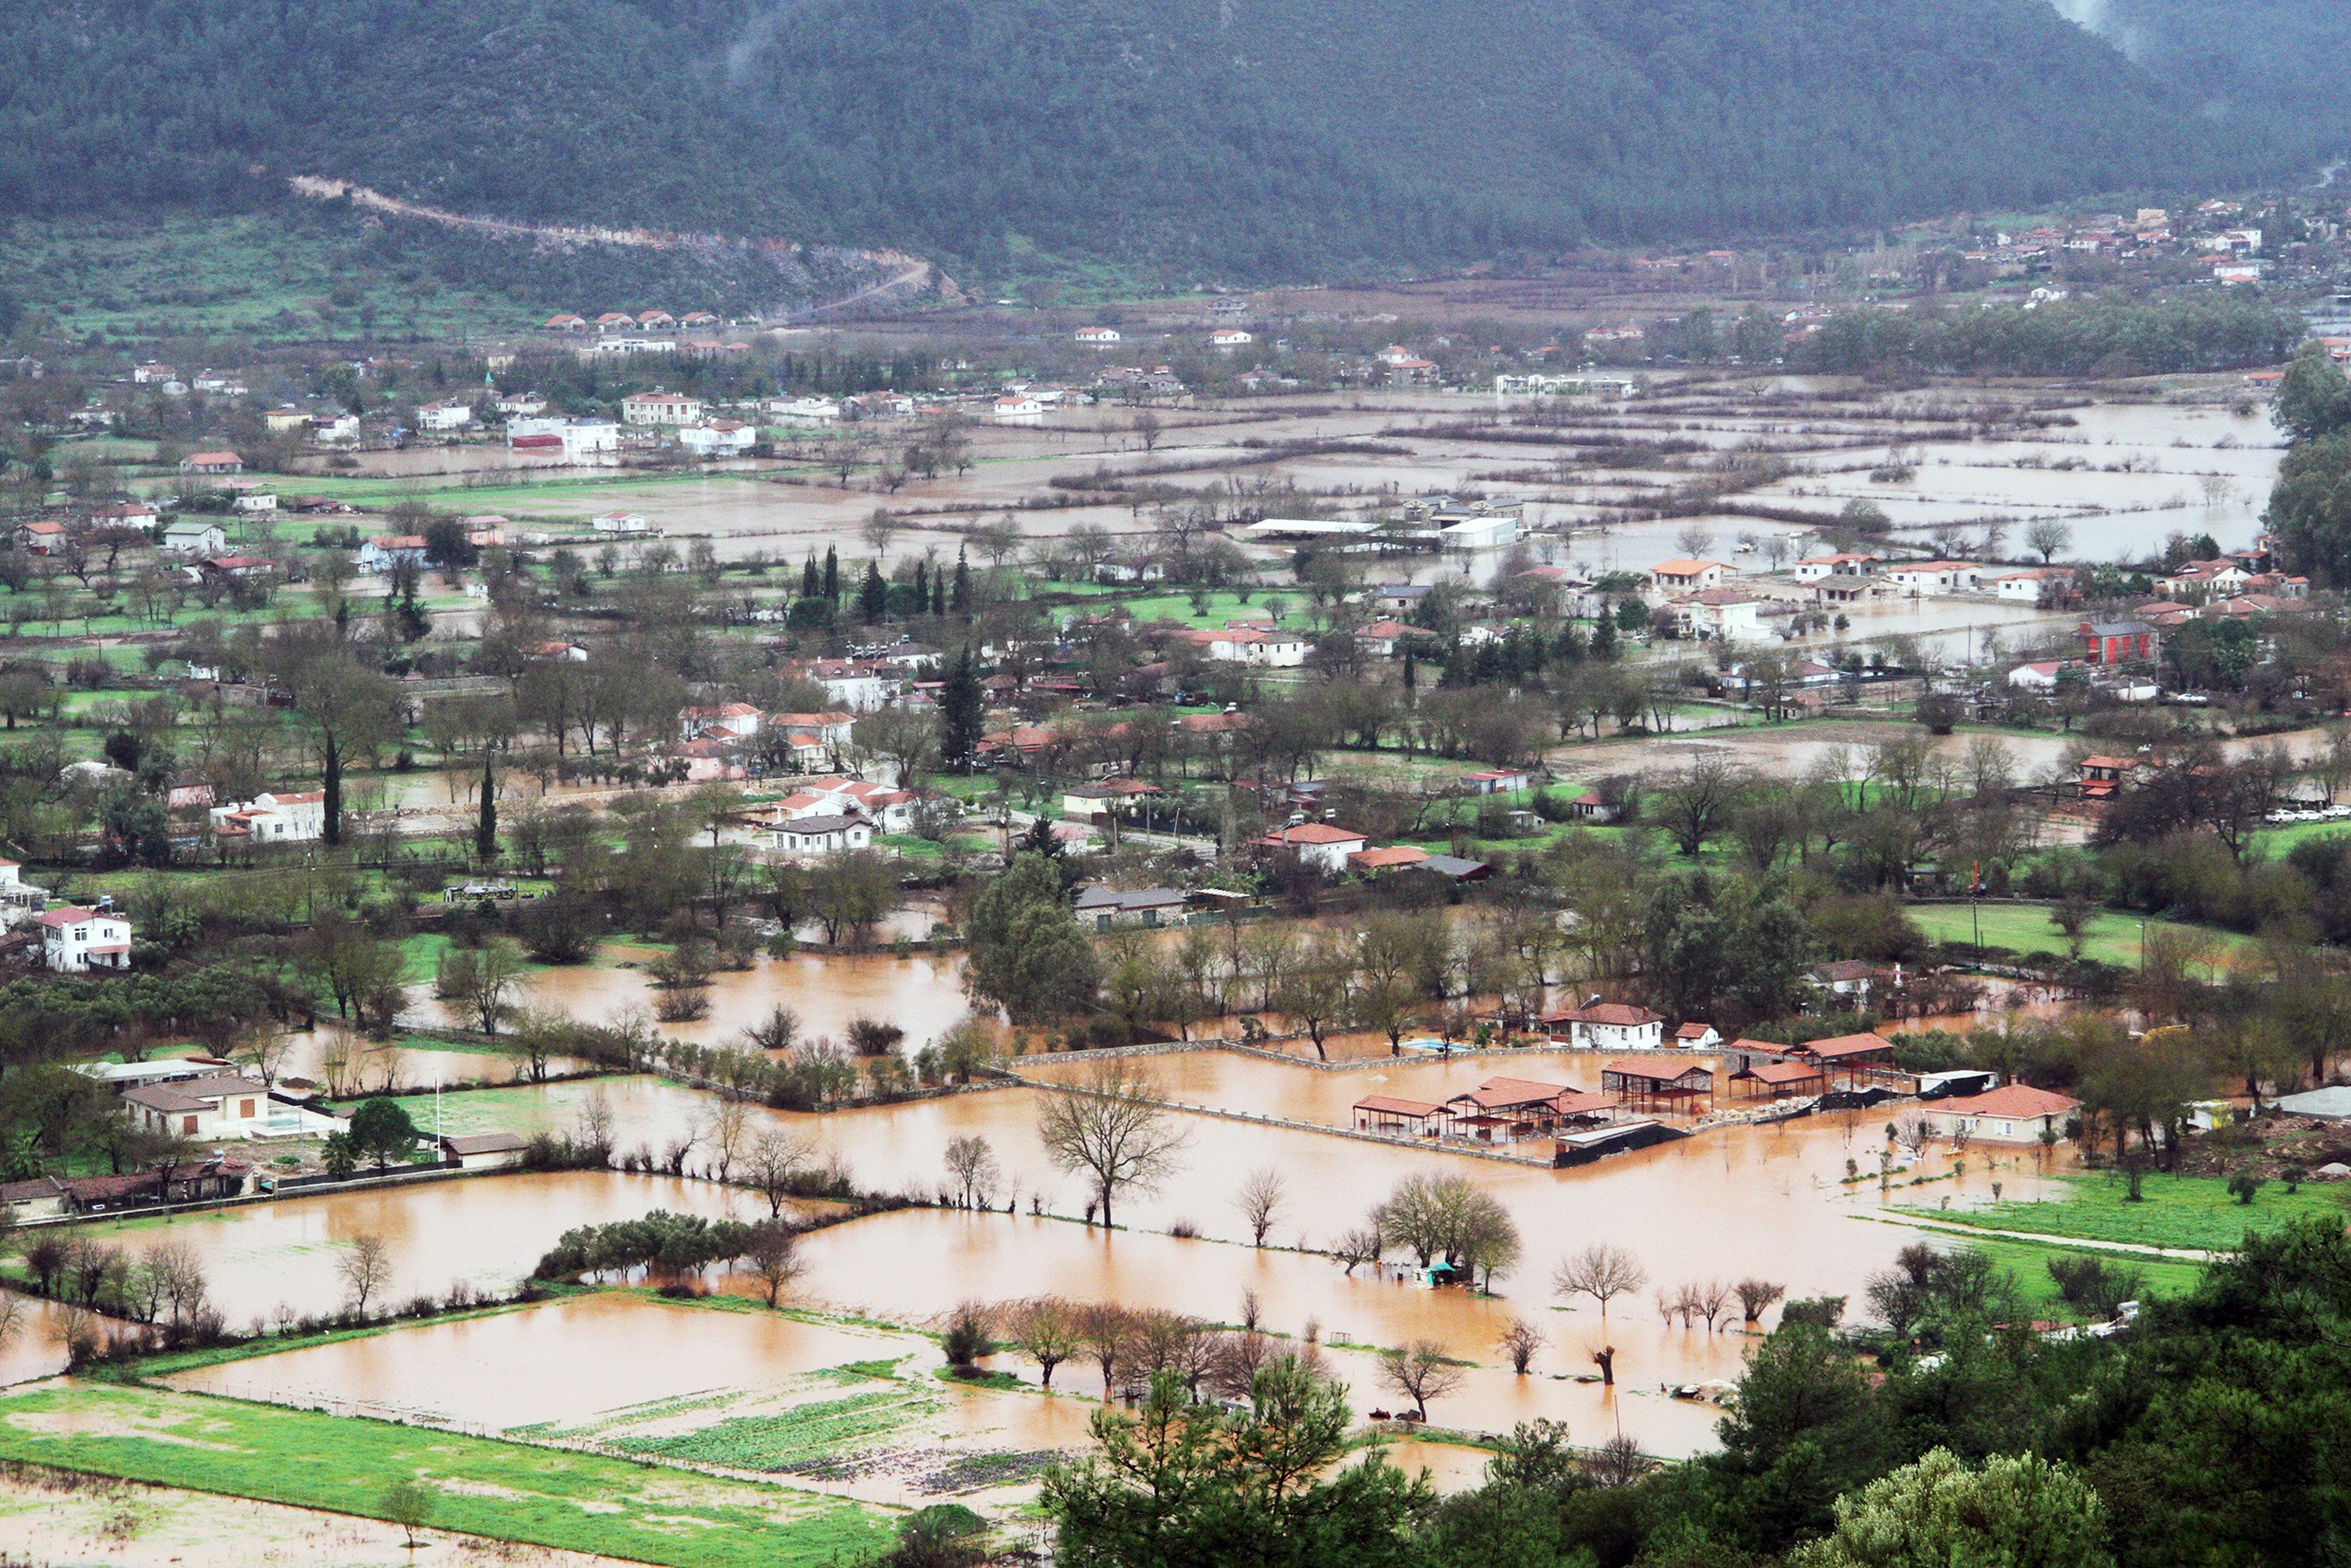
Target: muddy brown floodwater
{"points": [[922, 993], [1768, 1201]]}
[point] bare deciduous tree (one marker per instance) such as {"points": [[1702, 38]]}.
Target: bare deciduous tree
{"points": [[1421, 1372], [1259, 1199], [365, 1270], [1047, 1330], [1362, 1245], [1756, 1296], [1112, 1126], [776, 1162], [1601, 1271], [774, 1257], [972, 1170], [1519, 1342]]}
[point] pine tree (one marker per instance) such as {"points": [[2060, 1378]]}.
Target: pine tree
{"points": [[872, 595], [960, 711], [921, 585], [960, 600], [831, 574], [811, 584], [1604, 638], [939, 594]]}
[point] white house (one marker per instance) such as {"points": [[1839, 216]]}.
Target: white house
{"points": [[2025, 587], [2043, 674], [591, 438], [1019, 408], [293, 817], [385, 551], [823, 834], [1923, 576], [1318, 844], [195, 539], [19, 899], [217, 1107], [2012, 1114], [1686, 574], [1607, 1026], [661, 408], [1721, 613], [1812, 568], [720, 438], [740, 720], [1264, 646], [1225, 339], [858, 686], [1098, 337], [817, 410], [334, 429], [74, 939], [450, 414], [2203, 580], [620, 523]]}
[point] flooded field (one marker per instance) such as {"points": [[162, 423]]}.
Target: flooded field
{"points": [[486, 1230], [921, 995], [841, 1407], [1767, 1201]]}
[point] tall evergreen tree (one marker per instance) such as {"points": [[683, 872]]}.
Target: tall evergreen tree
{"points": [[960, 711], [485, 830], [811, 583], [872, 595], [923, 584], [831, 574], [960, 600]]}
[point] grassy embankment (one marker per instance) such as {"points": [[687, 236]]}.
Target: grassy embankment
{"points": [[2191, 1212], [508, 1491], [2109, 937]]}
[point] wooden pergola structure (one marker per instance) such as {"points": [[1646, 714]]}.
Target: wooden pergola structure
{"points": [[1399, 1117], [1658, 1085], [1503, 1110], [1847, 1059], [1778, 1081]]}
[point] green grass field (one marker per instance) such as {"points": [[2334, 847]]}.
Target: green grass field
{"points": [[2025, 928], [2027, 1263], [2176, 1211], [2273, 842], [508, 1491]]}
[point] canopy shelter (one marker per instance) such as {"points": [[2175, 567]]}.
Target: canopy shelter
{"points": [[1847, 1059], [1778, 1081], [1658, 1085], [1398, 1117]]}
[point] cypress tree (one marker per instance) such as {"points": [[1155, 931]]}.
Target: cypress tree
{"points": [[960, 600], [831, 574], [811, 584], [873, 594], [923, 584], [485, 830], [960, 711]]}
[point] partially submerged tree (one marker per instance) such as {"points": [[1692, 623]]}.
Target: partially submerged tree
{"points": [[1112, 1126]]}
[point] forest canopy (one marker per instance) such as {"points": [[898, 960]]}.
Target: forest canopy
{"points": [[1248, 137]]}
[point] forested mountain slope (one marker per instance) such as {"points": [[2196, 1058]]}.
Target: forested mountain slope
{"points": [[1250, 137], [2274, 67]]}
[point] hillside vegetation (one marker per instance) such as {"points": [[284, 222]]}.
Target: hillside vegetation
{"points": [[2271, 67], [1248, 138]]}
